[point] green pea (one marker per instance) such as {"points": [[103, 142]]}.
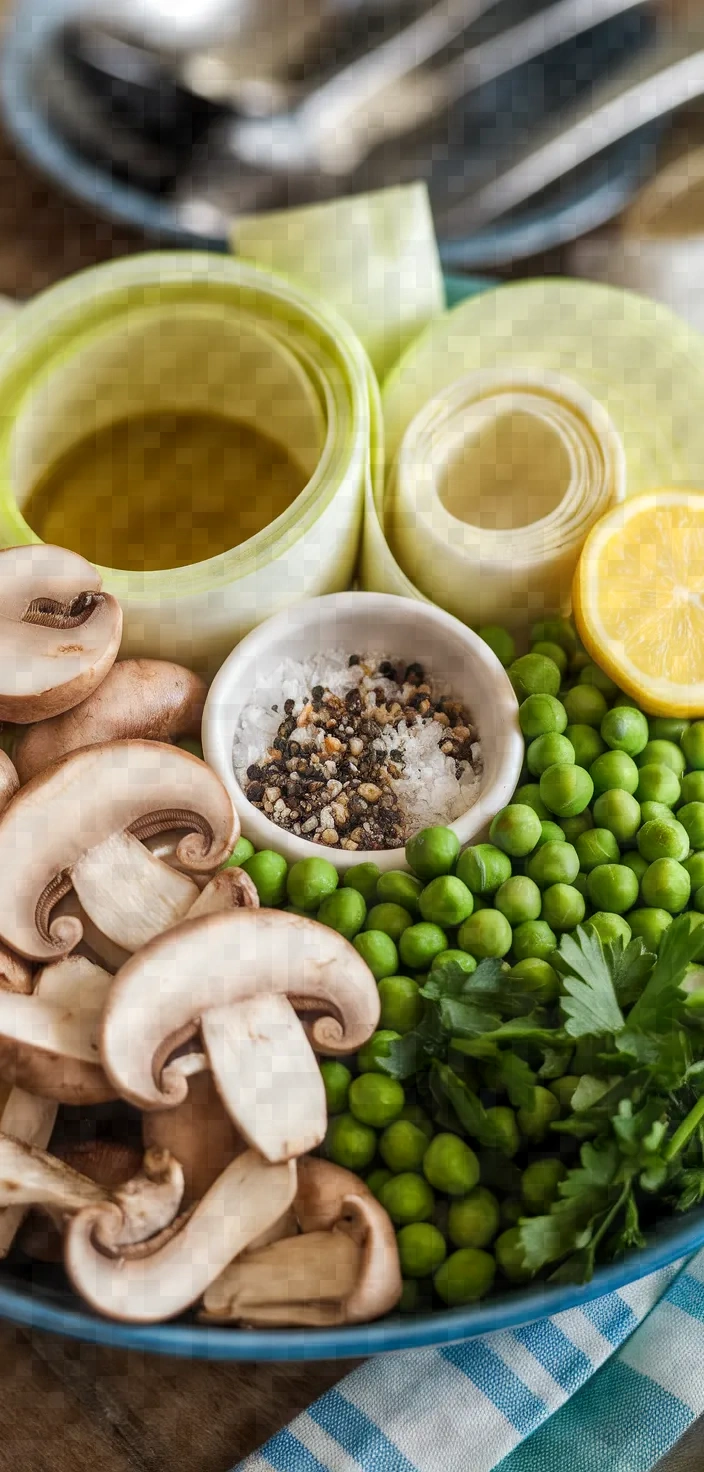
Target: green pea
{"points": [[408, 1198], [510, 1257], [550, 833], [586, 744], [549, 751], [658, 784], [591, 674], [612, 887], [614, 769], [309, 881], [485, 934], [651, 811], [421, 1249], [534, 1122], [379, 952], [528, 795], [420, 944], [552, 863], [580, 883], [402, 1146], [620, 813], [695, 868], [450, 1165], [377, 1179], [668, 728], [625, 729], [534, 674], [666, 885], [462, 959], [663, 754], [446, 901], [585, 706], [375, 1099], [538, 978], [534, 940], [564, 1090], [596, 846], [350, 1143], [267, 871], [519, 898], [636, 862], [396, 887], [337, 1080], [376, 1047], [500, 641], [692, 743], [698, 899], [364, 878], [344, 911], [483, 868], [466, 1276], [390, 919], [572, 827], [473, 1221], [664, 840], [609, 927], [563, 907], [516, 830], [502, 1121], [691, 816], [551, 651], [242, 851], [540, 714], [540, 1184], [567, 790], [650, 925], [692, 787], [417, 1115], [401, 1003], [558, 631], [431, 852]]}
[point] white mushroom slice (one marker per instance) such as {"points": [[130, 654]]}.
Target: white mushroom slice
{"points": [[9, 780], [159, 995], [77, 805], [127, 892], [49, 1041], [267, 1075], [232, 889], [16, 974], [249, 1196], [94, 943], [59, 634], [30, 1120]]}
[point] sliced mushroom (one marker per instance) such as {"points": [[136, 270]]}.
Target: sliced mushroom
{"points": [[16, 974], [94, 943], [147, 698], [9, 780], [142, 1208], [161, 1279], [232, 889], [240, 976], [68, 824], [342, 1269], [31, 1120], [107, 1162], [199, 1132], [59, 634], [49, 1040]]}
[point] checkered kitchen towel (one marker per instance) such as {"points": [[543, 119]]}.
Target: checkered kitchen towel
{"points": [[609, 1387]]}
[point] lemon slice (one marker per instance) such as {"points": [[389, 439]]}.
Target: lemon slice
{"points": [[638, 599]]}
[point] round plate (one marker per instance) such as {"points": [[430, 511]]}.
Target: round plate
{"points": [[498, 119]]}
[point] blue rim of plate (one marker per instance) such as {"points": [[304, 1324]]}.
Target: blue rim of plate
{"points": [[604, 190]]}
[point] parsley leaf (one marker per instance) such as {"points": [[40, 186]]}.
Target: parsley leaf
{"points": [[468, 1107], [659, 1004], [518, 1080], [591, 1005]]}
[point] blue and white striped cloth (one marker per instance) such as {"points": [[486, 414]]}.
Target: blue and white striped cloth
{"points": [[609, 1387]]}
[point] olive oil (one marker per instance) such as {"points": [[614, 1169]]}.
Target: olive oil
{"points": [[163, 489]]}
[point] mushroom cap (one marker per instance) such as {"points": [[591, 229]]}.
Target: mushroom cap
{"points": [[9, 780], [147, 698], [218, 959], [109, 1163], [77, 804], [59, 634], [48, 1040]]}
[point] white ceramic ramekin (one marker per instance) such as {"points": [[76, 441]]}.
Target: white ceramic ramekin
{"points": [[454, 658]]}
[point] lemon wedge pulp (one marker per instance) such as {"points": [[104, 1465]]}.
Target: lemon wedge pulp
{"points": [[638, 599]]}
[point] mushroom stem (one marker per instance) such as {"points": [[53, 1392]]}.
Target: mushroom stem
{"points": [[9, 780], [48, 1041], [30, 1120], [199, 1132], [267, 1075], [248, 1197], [298, 1280], [128, 894]]}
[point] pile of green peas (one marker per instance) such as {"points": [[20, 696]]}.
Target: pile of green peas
{"points": [[606, 829]]}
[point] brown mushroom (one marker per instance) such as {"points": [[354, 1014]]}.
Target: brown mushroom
{"points": [[343, 1268], [239, 976], [9, 780], [80, 823], [199, 1132], [147, 698], [16, 974], [160, 1279], [49, 1040], [59, 634]]}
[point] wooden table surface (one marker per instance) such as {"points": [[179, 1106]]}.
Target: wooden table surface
{"points": [[69, 1407]]}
